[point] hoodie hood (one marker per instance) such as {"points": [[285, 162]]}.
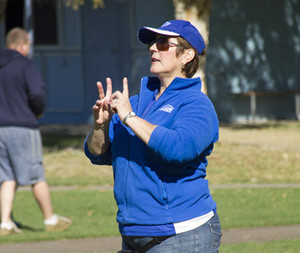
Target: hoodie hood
{"points": [[7, 55]]}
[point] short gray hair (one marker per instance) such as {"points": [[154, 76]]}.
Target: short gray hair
{"points": [[16, 36]]}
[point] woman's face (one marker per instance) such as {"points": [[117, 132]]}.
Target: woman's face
{"points": [[164, 62]]}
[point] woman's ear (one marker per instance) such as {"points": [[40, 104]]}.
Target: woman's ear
{"points": [[189, 55]]}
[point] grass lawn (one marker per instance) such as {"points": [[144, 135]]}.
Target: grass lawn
{"points": [[256, 154], [94, 212], [239, 208], [282, 246], [261, 154]]}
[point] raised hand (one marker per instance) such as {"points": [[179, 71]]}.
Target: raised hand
{"points": [[119, 101], [101, 110]]}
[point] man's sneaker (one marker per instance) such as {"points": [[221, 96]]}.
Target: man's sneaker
{"points": [[61, 224], [9, 231]]}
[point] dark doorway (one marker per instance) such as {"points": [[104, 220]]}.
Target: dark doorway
{"points": [[14, 14], [44, 23]]}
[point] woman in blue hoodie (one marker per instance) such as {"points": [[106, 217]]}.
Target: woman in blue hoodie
{"points": [[158, 142]]}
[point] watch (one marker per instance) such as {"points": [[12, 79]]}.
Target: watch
{"points": [[129, 115]]}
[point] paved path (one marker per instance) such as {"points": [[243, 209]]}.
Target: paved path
{"points": [[113, 244]]}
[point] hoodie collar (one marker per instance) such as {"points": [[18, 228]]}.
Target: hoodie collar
{"points": [[7, 56], [153, 83], [150, 84]]}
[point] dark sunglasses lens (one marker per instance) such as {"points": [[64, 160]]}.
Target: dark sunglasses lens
{"points": [[162, 44]]}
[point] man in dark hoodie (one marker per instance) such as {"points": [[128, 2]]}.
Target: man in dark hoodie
{"points": [[22, 101]]}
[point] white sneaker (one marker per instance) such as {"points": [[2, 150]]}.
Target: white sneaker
{"points": [[10, 229], [62, 224]]}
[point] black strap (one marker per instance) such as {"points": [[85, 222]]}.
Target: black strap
{"points": [[147, 246], [152, 243]]}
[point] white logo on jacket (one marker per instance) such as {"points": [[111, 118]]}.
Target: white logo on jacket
{"points": [[167, 108]]}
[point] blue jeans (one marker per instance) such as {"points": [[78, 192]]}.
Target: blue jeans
{"points": [[204, 239]]}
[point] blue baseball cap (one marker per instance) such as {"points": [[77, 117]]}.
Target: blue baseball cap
{"points": [[175, 28]]}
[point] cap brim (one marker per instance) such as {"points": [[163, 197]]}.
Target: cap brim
{"points": [[148, 34]]}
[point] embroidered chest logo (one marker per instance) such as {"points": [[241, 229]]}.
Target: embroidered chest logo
{"points": [[167, 108]]}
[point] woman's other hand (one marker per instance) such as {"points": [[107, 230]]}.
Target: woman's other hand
{"points": [[119, 101]]}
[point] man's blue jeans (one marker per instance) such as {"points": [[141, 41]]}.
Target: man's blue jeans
{"points": [[204, 239]]}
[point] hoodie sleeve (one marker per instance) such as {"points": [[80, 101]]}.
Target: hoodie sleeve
{"points": [[194, 129], [104, 159], [35, 88]]}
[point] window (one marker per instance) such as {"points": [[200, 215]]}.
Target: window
{"points": [[44, 18], [44, 23], [14, 14]]}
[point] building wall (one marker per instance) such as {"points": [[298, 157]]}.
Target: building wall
{"points": [[254, 45], [93, 44]]}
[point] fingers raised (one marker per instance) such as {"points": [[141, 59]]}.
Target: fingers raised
{"points": [[100, 90], [125, 87], [108, 87]]}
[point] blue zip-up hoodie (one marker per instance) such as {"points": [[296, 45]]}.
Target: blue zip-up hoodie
{"points": [[22, 94], [163, 182]]}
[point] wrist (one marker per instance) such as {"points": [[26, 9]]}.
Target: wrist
{"points": [[102, 126], [129, 115]]}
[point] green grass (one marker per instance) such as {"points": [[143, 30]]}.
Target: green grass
{"points": [[258, 207], [280, 246], [66, 164], [60, 141], [256, 154], [94, 212]]}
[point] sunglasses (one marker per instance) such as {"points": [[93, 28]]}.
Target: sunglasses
{"points": [[163, 44]]}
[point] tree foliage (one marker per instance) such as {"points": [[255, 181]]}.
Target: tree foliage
{"points": [[203, 7], [3, 4], [76, 3]]}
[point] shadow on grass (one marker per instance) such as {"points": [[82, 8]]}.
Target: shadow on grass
{"points": [[25, 227], [28, 228], [265, 125], [60, 141], [62, 136]]}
